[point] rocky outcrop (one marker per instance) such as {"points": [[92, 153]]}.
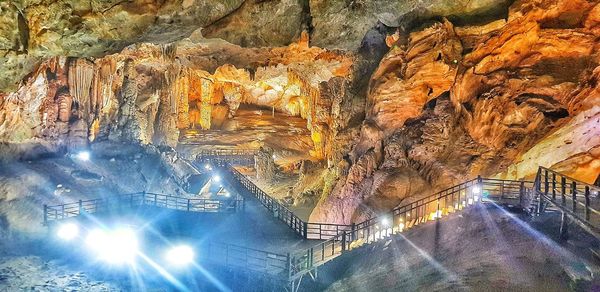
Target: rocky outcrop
{"points": [[147, 93], [455, 102], [32, 31]]}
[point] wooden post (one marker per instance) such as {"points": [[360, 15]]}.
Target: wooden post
{"points": [[522, 194], [343, 241], [553, 186], [546, 182], [305, 225], [574, 194], [289, 265], [80, 206], [353, 235], [563, 189], [564, 226], [45, 214], [587, 203], [188, 205]]}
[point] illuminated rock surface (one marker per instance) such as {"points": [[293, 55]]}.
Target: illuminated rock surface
{"points": [[359, 105]]}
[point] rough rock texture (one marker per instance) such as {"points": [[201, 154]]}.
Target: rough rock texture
{"points": [[343, 24], [147, 93], [34, 30], [449, 103]]}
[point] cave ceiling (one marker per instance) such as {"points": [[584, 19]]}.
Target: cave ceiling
{"points": [[34, 30]]}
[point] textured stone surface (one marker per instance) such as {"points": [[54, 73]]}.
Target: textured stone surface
{"points": [[519, 90], [34, 30]]}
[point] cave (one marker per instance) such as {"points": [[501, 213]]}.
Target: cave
{"points": [[299, 145]]}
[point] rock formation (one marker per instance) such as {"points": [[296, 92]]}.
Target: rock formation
{"points": [[448, 103], [424, 94]]}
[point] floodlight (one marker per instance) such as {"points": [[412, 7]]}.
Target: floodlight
{"points": [[83, 155], [385, 222], [68, 231], [180, 255], [115, 247], [476, 190], [216, 177]]}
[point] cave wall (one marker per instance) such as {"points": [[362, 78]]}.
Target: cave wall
{"points": [[451, 102], [147, 93]]}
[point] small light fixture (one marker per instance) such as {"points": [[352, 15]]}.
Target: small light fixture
{"points": [[180, 255], [216, 177], [68, 231], [83, 155], [385, 222]]}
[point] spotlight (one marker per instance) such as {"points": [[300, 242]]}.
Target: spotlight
{"points": [[216, 177], [476, 190], [207, 166], [68, 231], [180, 255], [83, 156], [115, 247], [385, 222]]}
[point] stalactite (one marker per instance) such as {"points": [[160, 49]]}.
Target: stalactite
{"points": [[233, 97], [64, 107], [168, 51], [206, 106], [81, 74]]}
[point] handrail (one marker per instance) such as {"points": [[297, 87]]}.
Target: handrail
{"points": [[403, 217], [308, 230], [248, 258], [577, 199], [68, 210]]}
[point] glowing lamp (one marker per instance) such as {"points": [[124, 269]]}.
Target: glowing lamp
{"points": [[115, 247], [385, 222], [476, 190], [216, 177], [68, 231], [180, 255], [83, 156], [207, 166]]}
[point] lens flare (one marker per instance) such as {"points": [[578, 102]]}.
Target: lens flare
{"points": [[180, 255], [68, 231]]}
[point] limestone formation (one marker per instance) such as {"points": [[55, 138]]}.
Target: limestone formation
{"points": [[424, 94]]}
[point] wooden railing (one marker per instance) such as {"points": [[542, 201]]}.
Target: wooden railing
{"points": [[404, 217], [305, 229], [237, 156], [248, 258], [572, 197], [63, 211]]}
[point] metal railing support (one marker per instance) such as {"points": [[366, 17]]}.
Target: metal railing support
{"points": [[587, 203], [574, 194], [45, 215], [563, 190]]}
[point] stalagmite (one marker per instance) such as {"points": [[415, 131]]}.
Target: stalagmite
{"points": [[64, 107], [81, 73]]}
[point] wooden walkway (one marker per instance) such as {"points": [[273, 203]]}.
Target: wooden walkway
{"points": [[123, 201], [340, 238], [575, 200]]}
